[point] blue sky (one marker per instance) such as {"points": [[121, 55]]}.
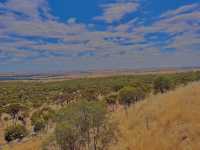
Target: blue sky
{"points": [[77, 35]]}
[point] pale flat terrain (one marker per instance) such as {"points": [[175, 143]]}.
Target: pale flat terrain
{"points": [[48, 77]]}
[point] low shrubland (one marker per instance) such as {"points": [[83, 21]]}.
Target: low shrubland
{"points": [[56, 110]]}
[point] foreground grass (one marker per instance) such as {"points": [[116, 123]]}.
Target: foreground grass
{"points": [[33, 144], [163, 122]]}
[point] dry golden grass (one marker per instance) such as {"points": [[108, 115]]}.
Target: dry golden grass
{"points": [[1, 134], [33, 144], [163, 122]]}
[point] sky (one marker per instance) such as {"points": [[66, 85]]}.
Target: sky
{"points": [[38, 36]]}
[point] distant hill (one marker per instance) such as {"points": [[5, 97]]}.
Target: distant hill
{"points": [[90, 73]]}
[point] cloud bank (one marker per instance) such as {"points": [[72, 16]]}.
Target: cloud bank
{"points": [[33, 39]]}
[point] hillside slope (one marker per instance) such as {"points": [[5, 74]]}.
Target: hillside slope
{"points": [[163, 122]]}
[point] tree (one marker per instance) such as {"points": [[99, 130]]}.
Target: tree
{"points": [[67, 95], [67, 136], [163, 84], [90, 93], [15, 132], [14, 109], [116, 86], [40, 119], [111, 100], [143, 87], [39, 125], [129, 95], [84, 125]]}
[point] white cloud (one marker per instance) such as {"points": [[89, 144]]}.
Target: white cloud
{"points": [[71, 20], [116, 11], [29, 8]]}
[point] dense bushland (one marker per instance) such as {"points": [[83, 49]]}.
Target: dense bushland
{"points": [[35, 94]]}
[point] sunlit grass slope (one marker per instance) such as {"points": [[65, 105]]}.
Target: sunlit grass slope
{"points": [[163, 122]]}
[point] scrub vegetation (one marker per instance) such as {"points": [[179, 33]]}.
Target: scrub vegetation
{"points": [[87, 113]]}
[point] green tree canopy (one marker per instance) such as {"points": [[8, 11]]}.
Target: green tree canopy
{"points": [[41, 118], [14, 109], [129, 95], [163, 84], [15, 132], [84, 125]]}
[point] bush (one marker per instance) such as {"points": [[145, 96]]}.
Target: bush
{"points": [[129, 95], [15, 132], [67, 136], [111, 100], [163, 84], [90, 93], [14, 109], [41, 118], [39, 125], [84, 125]]}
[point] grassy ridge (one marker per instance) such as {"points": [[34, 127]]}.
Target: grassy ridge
{"points": [[163, 122]]}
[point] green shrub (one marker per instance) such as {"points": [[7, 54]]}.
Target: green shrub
{"points": [[84, 125], [163, 84], [129, 95], [111, 100], [14, 109], [41, 118], [15, 132], [39, 125]]}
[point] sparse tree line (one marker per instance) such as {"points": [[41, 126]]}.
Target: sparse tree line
{"points": [[77, 110]]}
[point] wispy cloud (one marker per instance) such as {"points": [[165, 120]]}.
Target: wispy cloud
{"points": [[116, 11], [33, 9]]}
